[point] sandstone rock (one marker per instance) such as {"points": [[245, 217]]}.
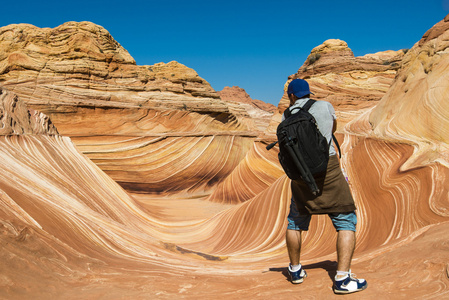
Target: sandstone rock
{"points": [[257, 110], [81, 65], [94, 239], [15, 118], [217, 201], [415, 109], [352, 84]]}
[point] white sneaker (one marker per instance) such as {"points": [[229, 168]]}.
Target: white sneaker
{"points": [[349, 285]]}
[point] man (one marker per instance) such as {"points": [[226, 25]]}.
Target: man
{"points": [[335, 200]]}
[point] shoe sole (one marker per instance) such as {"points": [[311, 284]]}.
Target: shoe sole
{"points": [[299, 280], [350, 292]]}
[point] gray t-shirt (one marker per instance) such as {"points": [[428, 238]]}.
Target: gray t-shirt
{"points": [[324, 114]]}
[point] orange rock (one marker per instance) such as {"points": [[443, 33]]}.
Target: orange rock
{"points": [[93, 91], [238, 94], [81, 65], [16, 118], [257, 110], [415, 109], [206, 214], [352, 84]]}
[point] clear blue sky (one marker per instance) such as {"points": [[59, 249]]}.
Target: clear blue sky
{"points": [[252, 44]]}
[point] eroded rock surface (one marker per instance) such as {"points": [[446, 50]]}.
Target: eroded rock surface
{"points": [[352, 84], [16, 118], [81, 64], [416, 109], [259, 111], [120, 113], [204, 213]]}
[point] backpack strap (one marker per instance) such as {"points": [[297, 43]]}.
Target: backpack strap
{"points": [[308, 104], [338, 145], [287, 112], [306, 107]]}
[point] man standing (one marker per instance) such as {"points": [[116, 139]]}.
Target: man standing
{"points": [[335, 200]]}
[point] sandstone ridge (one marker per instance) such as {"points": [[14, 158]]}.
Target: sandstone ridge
{"points": [[352, 84], [164, 201], [80, 64], [415, 109], [16, 118]]}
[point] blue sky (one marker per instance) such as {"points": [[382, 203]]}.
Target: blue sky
{"points": [[252, 44]]}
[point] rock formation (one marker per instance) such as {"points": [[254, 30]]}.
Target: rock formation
{"points": [[16, 118], [119, 113], [205, 205], [415, 110], [259, 111], [79, 67], [352, 84], [347, 81], [238, 94]]}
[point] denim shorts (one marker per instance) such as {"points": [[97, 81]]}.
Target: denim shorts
{"points": [[341, 221]]}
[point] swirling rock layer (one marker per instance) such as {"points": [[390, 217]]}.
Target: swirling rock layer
{"points": [[16, 118], [205, 206], [415, 110], [91, 89], [72, 229], [352, 84]]}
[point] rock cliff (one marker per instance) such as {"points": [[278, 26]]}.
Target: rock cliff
{"points": [[352, 84], [119, 113], [16, 118], [415, 110], [259, 111], [205, 203]]}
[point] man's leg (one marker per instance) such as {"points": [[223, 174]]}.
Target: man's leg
{"points": [[293, 241], [345, 250], [345, 282], [296, 224]]}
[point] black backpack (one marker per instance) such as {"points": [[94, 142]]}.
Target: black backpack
{"points": [[303, 150]]}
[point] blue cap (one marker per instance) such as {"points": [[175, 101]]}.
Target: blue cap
{"points": [[299, 88]]}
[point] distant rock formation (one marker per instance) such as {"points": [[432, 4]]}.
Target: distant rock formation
{"points": [[76, 68], [15, 118], [416, 108], [204, 198], [237, 94], [351, 84], [258, 110]]}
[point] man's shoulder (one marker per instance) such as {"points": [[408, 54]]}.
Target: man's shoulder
{"points": [[322, 103]]}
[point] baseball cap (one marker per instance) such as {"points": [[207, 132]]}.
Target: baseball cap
{"points": [[299, 88]]}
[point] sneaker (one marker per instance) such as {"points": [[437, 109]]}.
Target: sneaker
{"points": [[349, 285], [298, 276]]}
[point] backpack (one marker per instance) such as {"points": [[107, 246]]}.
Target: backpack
{"points": [[303, 150]]}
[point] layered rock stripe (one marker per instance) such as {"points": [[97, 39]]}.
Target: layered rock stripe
{"points": [[133, 182]]}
